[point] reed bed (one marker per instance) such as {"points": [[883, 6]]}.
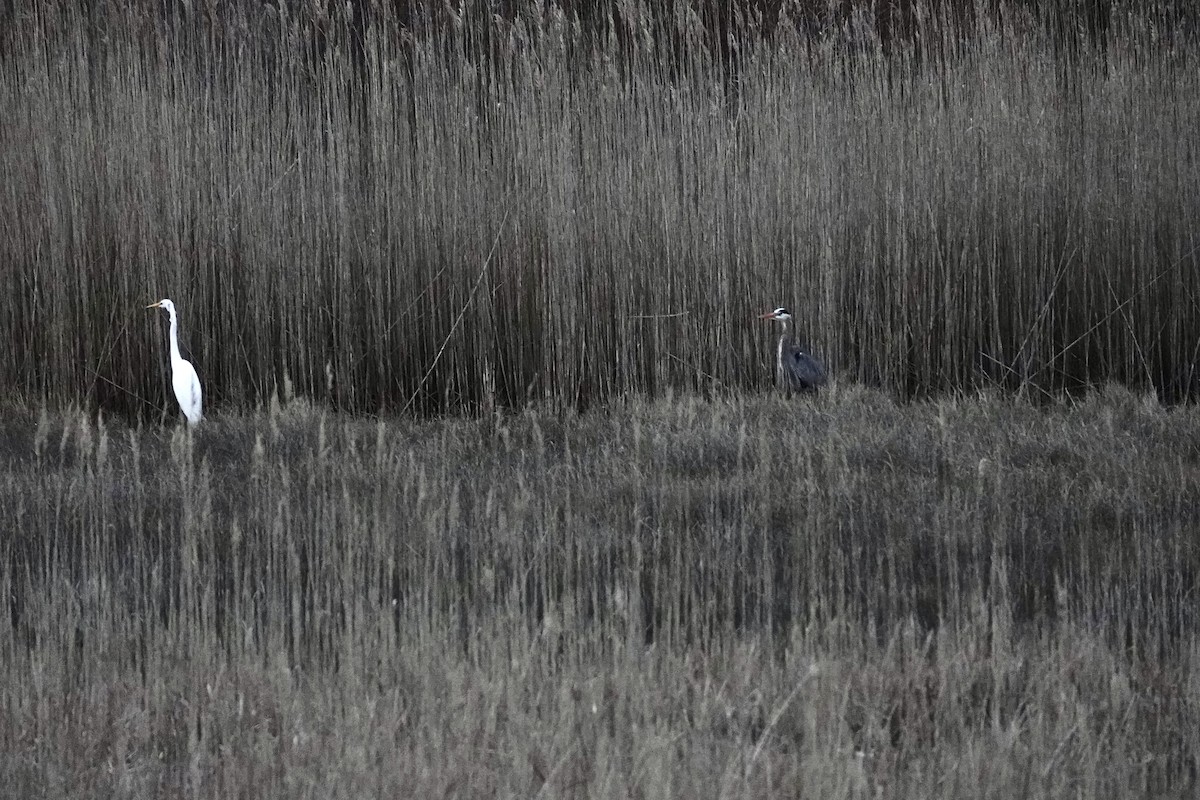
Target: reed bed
{"points": [[973, 598], [496, 210], [628, 572]]}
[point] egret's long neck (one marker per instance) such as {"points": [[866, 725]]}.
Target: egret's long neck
{"points": [[175, 357]]}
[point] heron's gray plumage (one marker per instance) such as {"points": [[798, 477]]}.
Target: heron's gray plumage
{"points": [[796, 369], [801, 371]]}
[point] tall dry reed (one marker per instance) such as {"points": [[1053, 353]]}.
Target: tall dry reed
{"points": [[491, 211]]}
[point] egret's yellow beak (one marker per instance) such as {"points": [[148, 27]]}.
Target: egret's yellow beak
{"points": [[155, 305]]}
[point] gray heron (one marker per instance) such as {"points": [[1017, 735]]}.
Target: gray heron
{"points": [[796, 369]]}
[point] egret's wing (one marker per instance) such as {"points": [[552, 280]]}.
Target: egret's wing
{"points": [[197, 394], [188, 392]]}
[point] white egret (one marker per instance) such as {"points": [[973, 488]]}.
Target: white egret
{"points": [[795, 369], [184, 379]]}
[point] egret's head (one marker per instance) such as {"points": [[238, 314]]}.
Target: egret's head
{"points": [[164, 304], [780, 314]]}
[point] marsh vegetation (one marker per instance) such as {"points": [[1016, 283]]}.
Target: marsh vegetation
{"points": [[433, 211], [675, 599], [491, 499]]}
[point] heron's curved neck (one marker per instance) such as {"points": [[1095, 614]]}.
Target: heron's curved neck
{"points": [[783, 336], [785, 331], [175, 356]]}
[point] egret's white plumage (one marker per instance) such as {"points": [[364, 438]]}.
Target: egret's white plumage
{"points": [[184, 379]]}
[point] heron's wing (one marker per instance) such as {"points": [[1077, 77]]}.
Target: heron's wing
{"points": [[804, 371]]}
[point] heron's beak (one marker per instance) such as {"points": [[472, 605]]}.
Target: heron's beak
{"points": [[154, 305], [768, 315]]}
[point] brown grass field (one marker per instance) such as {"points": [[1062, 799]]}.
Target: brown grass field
{"points": [[493, 499], [747, 597]]}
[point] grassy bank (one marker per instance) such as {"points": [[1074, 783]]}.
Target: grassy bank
{"points": [[693, 598], [491, 211]]}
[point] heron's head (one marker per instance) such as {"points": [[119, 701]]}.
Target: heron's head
{"points": [[780, 314], [165, 304]]}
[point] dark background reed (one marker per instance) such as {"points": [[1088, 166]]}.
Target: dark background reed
{"points": [[947, 199]]}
